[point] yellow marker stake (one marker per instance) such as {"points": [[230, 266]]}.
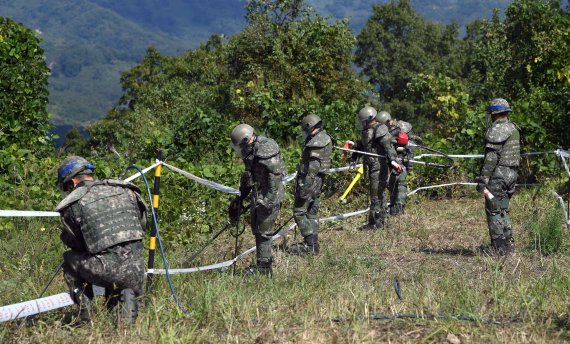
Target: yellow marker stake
{"points": [[359, 174]]}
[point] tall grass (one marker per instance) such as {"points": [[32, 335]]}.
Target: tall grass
{"points": [[431, 251]]}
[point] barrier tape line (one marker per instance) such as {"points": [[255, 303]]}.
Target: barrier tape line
{"points": [[136, 175], [563, 156], [566, 221], [28, 213], [213, 185], [479, 155], [230, 262], [27, 308]]}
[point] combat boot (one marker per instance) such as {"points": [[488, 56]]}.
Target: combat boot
{"points": [[310, 245], [262, 268], [397, 209], [82, 294], [84, 307], [128, 307]]}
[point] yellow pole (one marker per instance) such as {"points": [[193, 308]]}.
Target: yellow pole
{"points": [[359, 174]]}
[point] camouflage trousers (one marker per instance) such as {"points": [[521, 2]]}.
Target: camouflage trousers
{"points": [[306, 207], [502, 186], [262, 222], [115, 268], [377, 181], [398, 186]]}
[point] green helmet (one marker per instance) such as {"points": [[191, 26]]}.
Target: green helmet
{"points": [[498, 105], [309, 122], [383, 117], [70, 167], [365, 115]]}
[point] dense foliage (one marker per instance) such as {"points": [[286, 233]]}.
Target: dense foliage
{"points": [[444, 86], [24, 136], [88, 43], [289, 61]]}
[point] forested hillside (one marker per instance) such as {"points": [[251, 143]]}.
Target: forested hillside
{"points": [[88, 43], [422, 278]]}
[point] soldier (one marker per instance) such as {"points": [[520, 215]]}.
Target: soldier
{"points": [[403, 135], [103, 225], [264, 170], [375, 138], [498, 174], [315, 163]]}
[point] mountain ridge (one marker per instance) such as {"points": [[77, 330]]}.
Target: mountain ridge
{"points": [[88, 43]]}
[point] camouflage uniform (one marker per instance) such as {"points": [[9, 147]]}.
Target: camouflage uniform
{"points": [[315, 163], [376, 139], [397, 183], [264, 170], [103, 225], [499, 175]]}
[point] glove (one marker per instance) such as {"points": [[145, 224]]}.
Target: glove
{"points": [[396, 167], [234, 210], [481, 183]]}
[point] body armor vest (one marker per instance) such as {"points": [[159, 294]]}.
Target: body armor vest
{"points": [[267, 170], [403, 152], [109, 214], [318, 147], [504, 138]]}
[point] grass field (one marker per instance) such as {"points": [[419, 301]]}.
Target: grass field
{"points": [[432, 251]]}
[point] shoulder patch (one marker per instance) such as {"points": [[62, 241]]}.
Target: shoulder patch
{"points": [[73, 197], [405, 126], [266, 148], [499, 132], [322, 139], [122, 183], [380, 131]]}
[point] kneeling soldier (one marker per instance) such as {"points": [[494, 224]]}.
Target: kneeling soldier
{"points": [[103, 225]]}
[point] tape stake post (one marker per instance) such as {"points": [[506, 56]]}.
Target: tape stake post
{"points": [[155, 201], [359, 174]]}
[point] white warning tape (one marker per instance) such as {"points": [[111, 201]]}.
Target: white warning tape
{"points": [[449, 155], [136, 175], [203, 181], [359, 152], [248, 251], [438, 186], [477, 156], [563, 156], [24, 309], [25, 213], [566, 221]]}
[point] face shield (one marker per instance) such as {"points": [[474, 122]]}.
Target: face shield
{"points": [[360, 125], [243, 150], [305, 132]]}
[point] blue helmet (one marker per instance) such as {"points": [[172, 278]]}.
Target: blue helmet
{"points": [[498, 105], [70, 167]]}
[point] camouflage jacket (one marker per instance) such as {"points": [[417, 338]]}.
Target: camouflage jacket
{"points": [[316, 157], [502, 147], [264, 171], [100, 214], [377, 140]]}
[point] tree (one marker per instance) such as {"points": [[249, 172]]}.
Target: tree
{"points": [[288, 62], [23, 95], [396, 44]]}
